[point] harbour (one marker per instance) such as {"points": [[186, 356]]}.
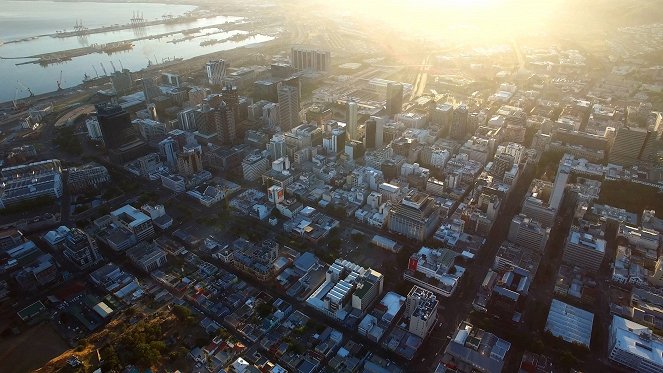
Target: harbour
{"points": [[32, 62]]}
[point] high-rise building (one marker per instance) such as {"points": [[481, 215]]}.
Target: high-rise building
{"points": [[187, 119], [115, 124], [169, 148], [458, 129], [190, 160], [635, 346], [415, 216], [501, 164], [561, 179], [93, 129], [121, 81], [224, 120], [421, 308], [81, 249], [171, 79], [150, 88], [277, 146], [394, 98], [216, 71], [628, 145], [288, 106], [351, 119], [528, 233], [253, 166], [310, 59], [584, 250], [369, 139], [230, 96]]}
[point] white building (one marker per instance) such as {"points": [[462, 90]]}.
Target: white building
{"points": [[572, 324], [635, 346], [135, 221], [216, 71], [30, 181], [421, 308]]}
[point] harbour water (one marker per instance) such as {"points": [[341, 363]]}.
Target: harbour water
{"points": [[25, 19]]}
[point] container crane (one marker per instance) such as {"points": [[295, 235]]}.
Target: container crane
{"points": [[95, 71], [103, 68], [59, 81], [113, 66], [26, 88]]}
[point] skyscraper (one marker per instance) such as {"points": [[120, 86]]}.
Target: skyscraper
{"points": [[190, 161], [168, 148], [277, 146], [628, 145], [115, 124], [394, 98], [81, 249], [224, 121], [230, 96], [121, 81], [310, 59], [150, 88], [369, 140], [216, 71], [351, 119], [288, 106], [458, 129]]}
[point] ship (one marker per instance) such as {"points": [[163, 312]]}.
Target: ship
{"points": [[116, 47], [166, 62], [205, 43]]}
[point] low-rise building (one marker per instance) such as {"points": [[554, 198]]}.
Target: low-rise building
{"points": [[584, 250], [87, 176], [147, 256], [634, 346], [569, 323], [472, 349], [435, 270]]}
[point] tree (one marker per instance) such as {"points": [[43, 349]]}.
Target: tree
{"points": [[111, 362], [181, 312]]}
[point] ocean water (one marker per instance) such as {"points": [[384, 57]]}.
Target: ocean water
{"points": [[24, 19]]}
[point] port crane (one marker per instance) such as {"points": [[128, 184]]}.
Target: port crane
{"points": [[113, 66], [26, 88], [95, 71], [103, 68], [59, 81]]}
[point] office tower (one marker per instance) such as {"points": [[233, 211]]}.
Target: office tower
{"points": [[338, 140], [216, 71], [81, 249], [584, 250], [277, 146], [170, 79], [253, 166], [634, 346], [351, 119], [169, 149], [190, 160], [458, 129], [115, 124], [230, 96], [310, 59], [443, 115], [187, 119], [121, 81], [197, 96], [150, 89], [93, 129], [421, 308], [369, 139], [224, 121], [288, 106], [501, 164], [379, 131], [628, 145], [415, 216], [561, 179], [394, 98], [528, 233]]}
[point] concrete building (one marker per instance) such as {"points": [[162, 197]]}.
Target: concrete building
{"points": [[253, 166], [81, 249], [121, 81], [93, 129], [569, 323], [87, 176], [421, 308], [30, 181], [474, 350], [351, 118], [190, 161], [288, 109], [394, 98], [216, 71], [628, 145], [528, 233], [310, 59], [458, 129], [537, 203], [147, 256], [133, 220], [584, 250], [634, 346], [435, 270], [416, 216]]}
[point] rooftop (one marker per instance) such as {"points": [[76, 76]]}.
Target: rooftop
{"points": [[572, 324]]}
